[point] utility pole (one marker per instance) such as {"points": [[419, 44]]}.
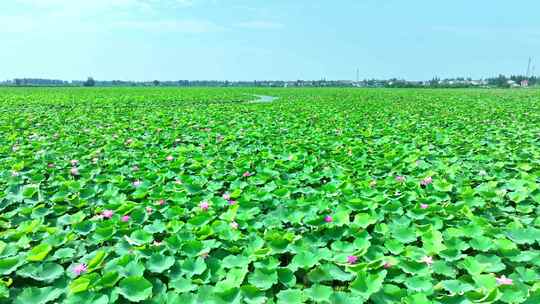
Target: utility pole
{"points": [[529, 68], [357, 75]]}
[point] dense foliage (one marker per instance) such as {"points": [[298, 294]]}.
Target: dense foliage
{"points": [[164, 195]]}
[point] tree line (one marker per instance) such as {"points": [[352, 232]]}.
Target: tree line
{"points": [[501, 81]]}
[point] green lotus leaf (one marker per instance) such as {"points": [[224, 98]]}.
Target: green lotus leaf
{"points": [[456, 286], [141, 237], [36, 295], [419, 283], [39, 253], [96, 260], [367, 284], [404, 235], [291, 296], [182, 285], [319, 293], [4, 292], [80, 284], [233, 261], [286, 277], [47, 272], [233, 279], [87, 298], [193, 267], [158, 263], [324, 195], [528, 235], [109, 279], [329, 272], [263, 278], [8, 265], [253, 295], [442, 185], [389, 294], [304, 259], [135, 289], [418, 298]]}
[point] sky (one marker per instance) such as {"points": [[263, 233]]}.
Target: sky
{"points": [[266, 39]]}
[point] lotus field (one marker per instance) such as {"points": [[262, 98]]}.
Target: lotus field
{"points": [[197, 195]]}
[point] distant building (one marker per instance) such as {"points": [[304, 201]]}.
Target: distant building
{"points": [[512, 84], [525, 83]]}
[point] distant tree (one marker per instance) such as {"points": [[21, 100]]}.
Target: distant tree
{"points": [[434, 82], [90, 82], [156, 82], [502, 81]]}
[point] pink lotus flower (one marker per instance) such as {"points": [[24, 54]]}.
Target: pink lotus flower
{"points": [[161, 202], [178, 182], [129, 141], [204, 205], [149, 210], [328, 219], [428, 260], [426, 181], [125, 218], [14, 173], [234, 225], [79, 269], [107, 214], [95, 160], [157, 243], [204, 255], [170, 158], [424, 206], [387, 265], [400, 178], [226, 196], [135, 168], [74, 162], [246, 174], [137, 183], [51, 165], [74, 171], [232, 202], [352, 259], [503, 280], [290, 157]]}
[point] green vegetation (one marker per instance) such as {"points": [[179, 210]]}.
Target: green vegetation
{"points": [[167, 195]]}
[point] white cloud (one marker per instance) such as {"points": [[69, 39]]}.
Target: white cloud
{"points": [[261, 25], [24, 24], [78, 4], [100, 15], [183, 26], [91, 7], [89, 4]]}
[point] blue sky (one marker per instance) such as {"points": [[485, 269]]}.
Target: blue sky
{"points": [[256, 39]]}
